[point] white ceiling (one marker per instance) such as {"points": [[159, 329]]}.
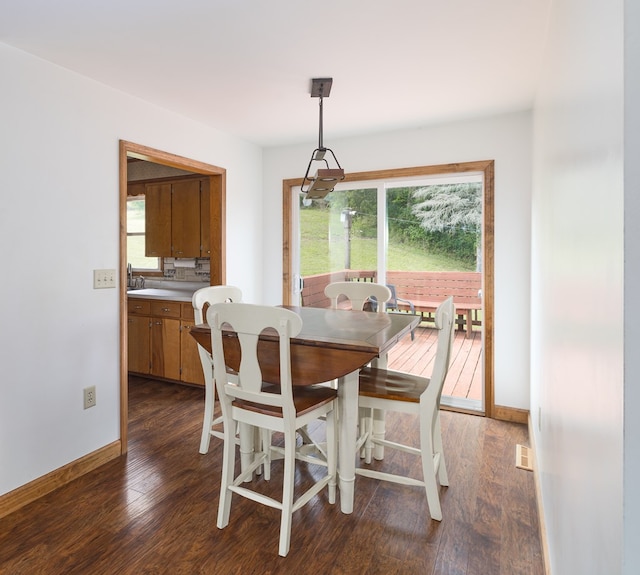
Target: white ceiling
{"points": [[245, 66]]}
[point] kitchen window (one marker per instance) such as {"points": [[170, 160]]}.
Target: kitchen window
{"points": [[136, 237]]}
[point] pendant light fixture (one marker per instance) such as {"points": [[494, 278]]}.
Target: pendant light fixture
{"points": [[326, 177]]}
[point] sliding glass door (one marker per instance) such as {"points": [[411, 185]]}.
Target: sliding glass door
{"points": [[420, 235]]}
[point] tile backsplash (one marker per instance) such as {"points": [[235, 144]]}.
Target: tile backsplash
{"points": [[187, 269]]}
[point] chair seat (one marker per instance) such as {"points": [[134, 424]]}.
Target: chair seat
{"points": [[392, 385], [305, 399]]}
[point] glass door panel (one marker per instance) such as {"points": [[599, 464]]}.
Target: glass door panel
{"points": [[433, 250], [337, 241]]}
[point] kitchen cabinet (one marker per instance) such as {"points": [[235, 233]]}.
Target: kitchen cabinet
{"points": [[177, 216], [159, 340], [139, 336], [165, 339], [185, 219], [191, 368], [205, 219], [158, 220]]}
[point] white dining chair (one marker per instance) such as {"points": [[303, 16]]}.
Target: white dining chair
{"points": [[272, 408], [201, 300], [407, 393], [357, 294]]}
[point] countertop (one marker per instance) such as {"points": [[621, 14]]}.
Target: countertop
{"points": [[182, 292]]}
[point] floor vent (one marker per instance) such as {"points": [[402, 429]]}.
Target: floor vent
{"points": [[523, 457]]}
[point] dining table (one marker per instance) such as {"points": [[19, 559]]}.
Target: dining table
{"points": [[334, 344]]}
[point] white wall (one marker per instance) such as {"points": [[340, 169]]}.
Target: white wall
{"points": [[631, 516], [577, 286], [505, 139], [59, 221]]}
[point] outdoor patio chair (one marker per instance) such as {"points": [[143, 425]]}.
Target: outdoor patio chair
{"points": [[392, 305]]}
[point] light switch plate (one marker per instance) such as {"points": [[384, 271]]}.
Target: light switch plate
{"points": [[104, 279]]}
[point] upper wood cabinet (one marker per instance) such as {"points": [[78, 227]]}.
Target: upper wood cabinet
{"points": [[185, 219], [177, 219], [158, 220], [205, 219]]}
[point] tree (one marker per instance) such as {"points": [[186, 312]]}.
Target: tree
{"points": [[452, 208]]}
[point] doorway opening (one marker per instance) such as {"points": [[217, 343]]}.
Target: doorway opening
{"points": [[217, 218]]}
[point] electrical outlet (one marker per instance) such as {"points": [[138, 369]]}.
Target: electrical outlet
{"points": [[104, 279], [89, 396]]}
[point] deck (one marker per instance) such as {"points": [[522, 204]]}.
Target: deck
{"points": [[464, 379]]}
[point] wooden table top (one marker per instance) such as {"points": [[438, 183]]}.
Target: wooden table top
{"points": [[331, 344]]}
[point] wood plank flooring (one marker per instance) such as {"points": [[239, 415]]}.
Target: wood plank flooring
{"points": [[154, 511]]}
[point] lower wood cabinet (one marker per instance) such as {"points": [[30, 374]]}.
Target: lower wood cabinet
{"points": [[139, 343], [165, 347], [159, 342], [191, 370]]}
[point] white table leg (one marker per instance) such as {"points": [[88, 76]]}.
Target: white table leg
{"points": [[348, 422], [379, 416]]}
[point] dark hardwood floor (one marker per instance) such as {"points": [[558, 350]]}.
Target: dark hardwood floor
{"points": [[154, 511]]}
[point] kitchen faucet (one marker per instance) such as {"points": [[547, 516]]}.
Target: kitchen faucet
{"points": [[134, 283]]}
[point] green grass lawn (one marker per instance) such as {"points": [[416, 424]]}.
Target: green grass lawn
{"points": [[323, 249]]}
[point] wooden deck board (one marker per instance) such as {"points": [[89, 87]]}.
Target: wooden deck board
{"points": [[465, 374]]}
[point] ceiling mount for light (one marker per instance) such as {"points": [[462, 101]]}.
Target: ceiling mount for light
{"points": [[326, 178]]}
